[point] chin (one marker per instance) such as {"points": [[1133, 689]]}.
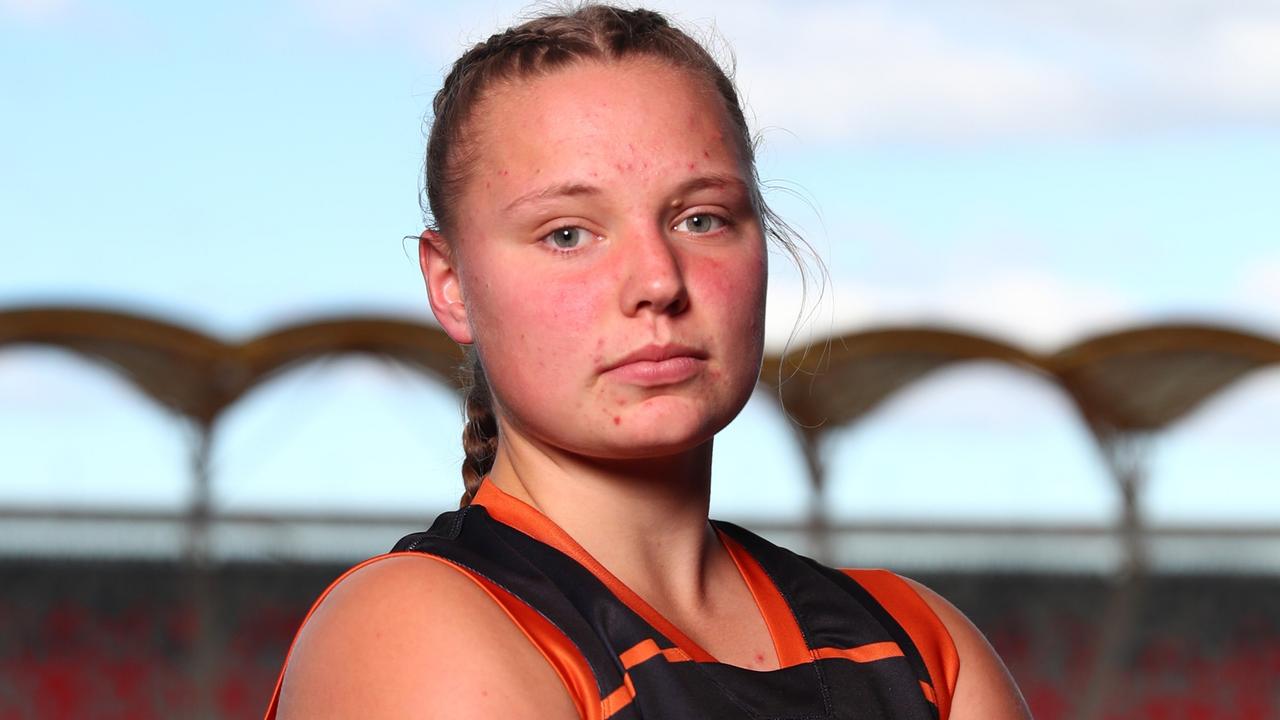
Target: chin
{"points": [[649, 448], [657, 436]]}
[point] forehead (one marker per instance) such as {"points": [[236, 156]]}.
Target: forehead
{"points": [[637, 116]]}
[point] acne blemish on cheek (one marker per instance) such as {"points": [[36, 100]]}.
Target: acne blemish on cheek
{"points": [[706, 154], [690, 166], [617, 420]]}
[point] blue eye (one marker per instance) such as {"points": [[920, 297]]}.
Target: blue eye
{"points": [[700, 224], [569, 238]]}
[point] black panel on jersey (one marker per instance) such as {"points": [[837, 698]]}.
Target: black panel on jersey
{"points": [[831, 609]]}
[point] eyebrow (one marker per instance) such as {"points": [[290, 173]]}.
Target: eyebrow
{"points": [[578, 189], [714, 180], [559, 190]]}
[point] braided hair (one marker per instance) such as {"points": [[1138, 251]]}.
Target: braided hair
{"points": [[539, 46], [480, 434]]}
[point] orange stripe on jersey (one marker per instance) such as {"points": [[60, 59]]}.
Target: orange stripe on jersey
{"points": [[929, 694], [927, 632], [642, 651], [555, 646], [646, 649], [788, 640], [675, 654], [618, 699], [523, 517], [863, 653]]}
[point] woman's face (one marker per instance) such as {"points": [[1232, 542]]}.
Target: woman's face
{"points": [[610, 265]]}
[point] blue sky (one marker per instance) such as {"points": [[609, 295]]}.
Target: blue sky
{"points": [[1034, 171]]}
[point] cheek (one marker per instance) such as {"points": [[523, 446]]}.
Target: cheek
{"points": [[569, 305], [532, 328], [734, 288], [511, 303]]}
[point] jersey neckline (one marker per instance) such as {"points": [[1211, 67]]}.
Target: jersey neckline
{"points": [[788, 640]]}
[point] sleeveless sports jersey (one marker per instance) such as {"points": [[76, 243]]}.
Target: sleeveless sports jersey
{"points": [[851, 644]]}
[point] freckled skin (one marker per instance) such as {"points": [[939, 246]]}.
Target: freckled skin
{"points": [[637, 282]]}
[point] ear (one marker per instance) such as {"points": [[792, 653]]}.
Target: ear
{"points": [[444, 286]]}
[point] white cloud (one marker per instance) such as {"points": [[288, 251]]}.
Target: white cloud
{"points": [[360, 16], [1260, 284], [1246, 55], [1025, 305], [438, 30], [869, 72], [115, 23], [920, 71], [934, 71], [35, 11], [1256, 303]]}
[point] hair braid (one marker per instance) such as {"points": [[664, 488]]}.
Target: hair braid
{"points": [[480, 433]]}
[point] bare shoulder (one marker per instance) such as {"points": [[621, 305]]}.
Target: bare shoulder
{"points": [[984, 688], [414, 636]]}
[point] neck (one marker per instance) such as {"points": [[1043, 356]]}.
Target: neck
{"points": [[645, 519]]}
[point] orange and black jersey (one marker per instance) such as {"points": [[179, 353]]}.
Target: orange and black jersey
{"points": [[851, 644]]}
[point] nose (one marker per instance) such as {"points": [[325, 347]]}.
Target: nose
{"points": [[652, 279]]}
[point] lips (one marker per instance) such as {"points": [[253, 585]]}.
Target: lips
{"points": [[654, 365]]}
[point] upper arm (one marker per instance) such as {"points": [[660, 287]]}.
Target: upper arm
{"points": [[984, 689], [413, 636]]}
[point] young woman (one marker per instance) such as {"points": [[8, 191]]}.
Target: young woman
{"points": [[599, 244]]}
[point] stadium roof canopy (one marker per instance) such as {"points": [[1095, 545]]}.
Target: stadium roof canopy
{"points": [[1136, 380]]}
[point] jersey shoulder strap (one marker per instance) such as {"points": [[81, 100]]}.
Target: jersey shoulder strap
{"points": [[896, 606], [928, 633]]}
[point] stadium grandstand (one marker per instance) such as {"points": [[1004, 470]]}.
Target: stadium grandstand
{"points": [[187, 610]]}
